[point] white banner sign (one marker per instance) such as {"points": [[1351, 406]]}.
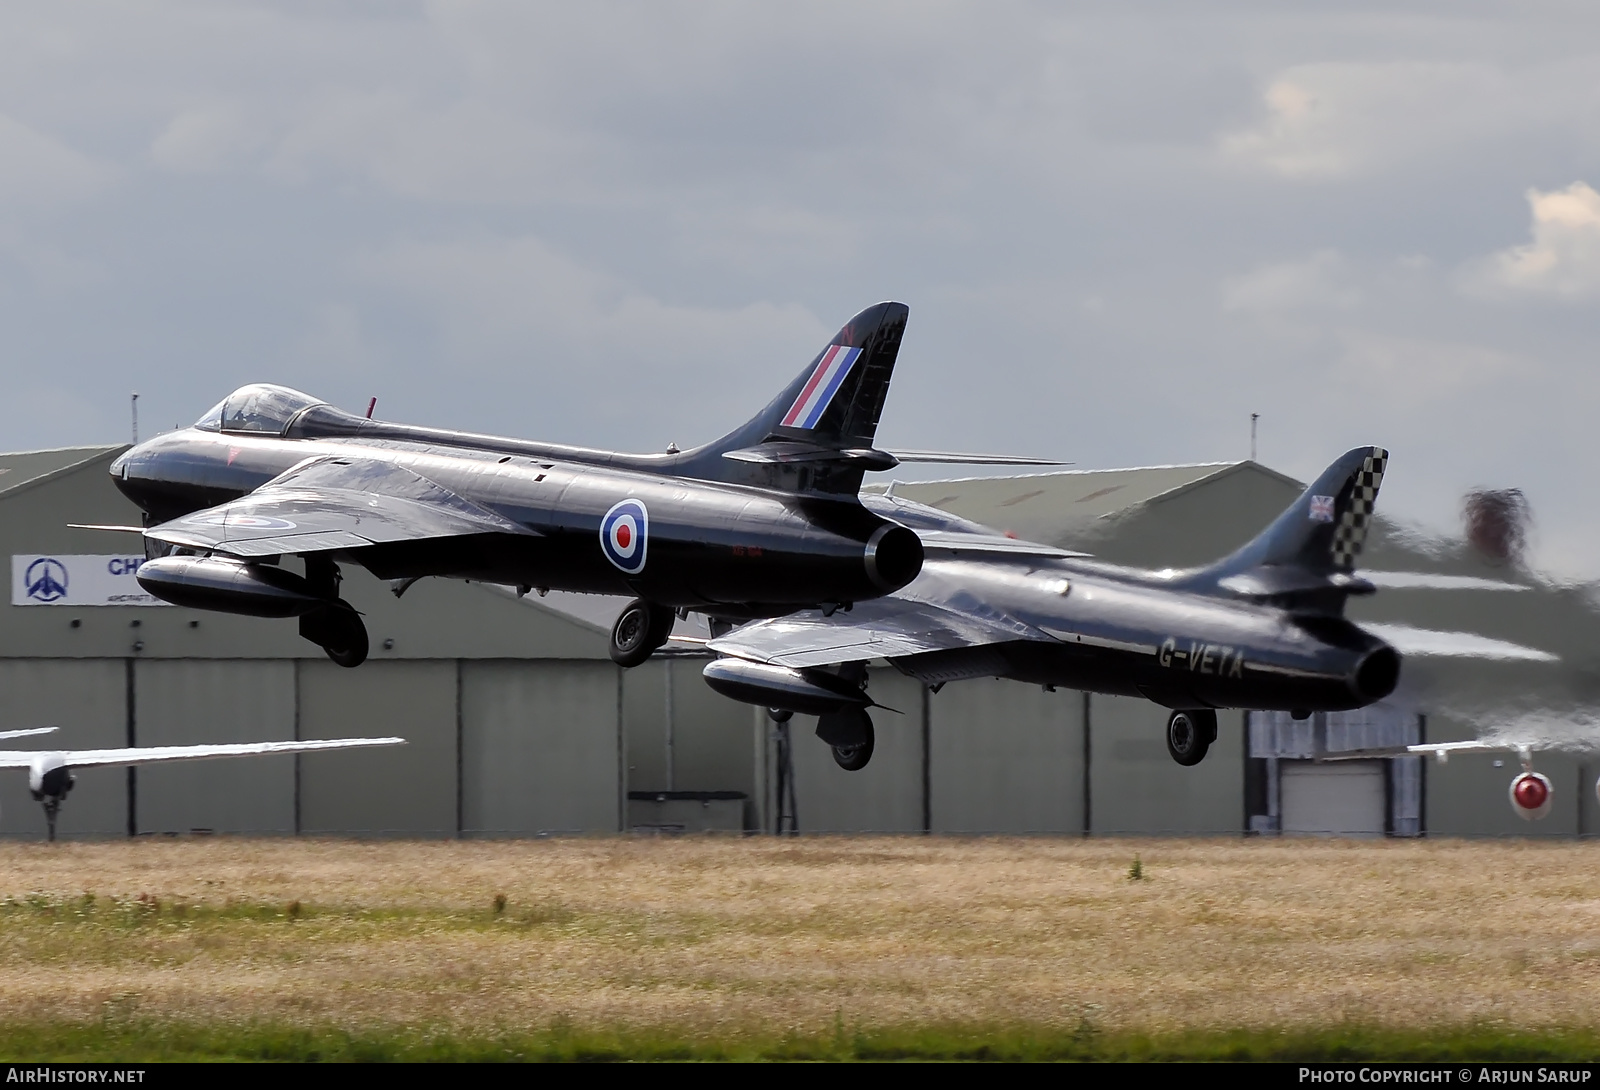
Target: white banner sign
{"points": [[76, 580]]}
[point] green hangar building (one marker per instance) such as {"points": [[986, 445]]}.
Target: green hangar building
{"points": [[520, 725]]}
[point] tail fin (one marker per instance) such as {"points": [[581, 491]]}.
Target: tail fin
{"points": [[1309, 552], [817, 434]]}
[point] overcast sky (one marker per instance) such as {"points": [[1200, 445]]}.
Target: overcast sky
{"points": [[1120, 228]]}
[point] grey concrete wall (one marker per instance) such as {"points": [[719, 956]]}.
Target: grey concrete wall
{"points": [[88, 701], [199, 701], [712, 746], [408, 790], [540, 748], [1005, 758], [887, 795], [1136, 787]]}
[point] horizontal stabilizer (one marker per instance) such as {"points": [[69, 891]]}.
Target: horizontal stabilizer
{"points": [[782, 453], [1426, 580], [1278, 582], [1427, 643]]}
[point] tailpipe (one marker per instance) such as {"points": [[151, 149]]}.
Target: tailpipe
{"points": [[805, 692], [1376, 674], [894, 557]]}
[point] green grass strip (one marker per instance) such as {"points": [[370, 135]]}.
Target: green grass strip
{"points": [[133, 1042]]}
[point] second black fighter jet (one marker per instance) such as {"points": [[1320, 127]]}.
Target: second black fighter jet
{"points": [[758, 523]]}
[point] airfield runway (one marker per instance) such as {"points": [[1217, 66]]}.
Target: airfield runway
{"points": [[719, 936]]}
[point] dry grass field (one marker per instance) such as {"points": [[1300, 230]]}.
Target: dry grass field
{"points": [[727, 936]]}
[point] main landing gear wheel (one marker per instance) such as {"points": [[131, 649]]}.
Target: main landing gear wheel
{"points": [[641, 628], [1190, 734], [337, 629], [849, 734]]}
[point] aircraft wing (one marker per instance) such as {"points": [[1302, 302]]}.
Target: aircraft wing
{"points": [[139, 755], [880, 628], [333, 503]]}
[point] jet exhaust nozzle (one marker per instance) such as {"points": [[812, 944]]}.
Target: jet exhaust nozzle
{"points": [[1377, 674], [803, 691], [894, 557], [227, 586]]}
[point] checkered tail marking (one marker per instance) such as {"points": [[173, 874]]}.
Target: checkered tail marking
{"points": [[1351, 533]]}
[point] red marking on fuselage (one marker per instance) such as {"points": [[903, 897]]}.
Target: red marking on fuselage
{"points": [[233, 452], [624, 536]]}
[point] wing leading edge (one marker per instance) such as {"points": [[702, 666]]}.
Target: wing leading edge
{"points": [[138, 755]]}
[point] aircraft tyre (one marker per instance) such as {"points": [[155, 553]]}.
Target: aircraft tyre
{"points": [[854, 758], [337, 629], [1190, 734], [849, 735], [641, 628]]}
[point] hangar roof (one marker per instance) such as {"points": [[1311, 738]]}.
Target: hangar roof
{"points": [[1040, 505], [31, 466]]}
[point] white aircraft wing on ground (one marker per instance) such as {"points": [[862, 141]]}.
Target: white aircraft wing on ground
{"points": [[50, 771]]}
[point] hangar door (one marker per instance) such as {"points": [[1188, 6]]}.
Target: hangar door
{"points": [[1343, 798]]}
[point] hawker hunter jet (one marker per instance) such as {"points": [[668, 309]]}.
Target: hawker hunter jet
{"points": [[50, 771], [1263, 628], [763, 521]]}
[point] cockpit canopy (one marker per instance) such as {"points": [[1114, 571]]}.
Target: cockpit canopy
{"points": [[260, 408]]}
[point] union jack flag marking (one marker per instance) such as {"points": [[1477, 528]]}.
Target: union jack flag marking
{"points": [[821, 386], [1321, 508]]}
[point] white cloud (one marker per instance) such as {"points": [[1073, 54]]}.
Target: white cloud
{"points": [[203, 139], [1332, 120], [1319, 282], [36, 169], [1563, 258]]}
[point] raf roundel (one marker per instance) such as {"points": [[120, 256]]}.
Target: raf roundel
{"points": [[625, 534]]}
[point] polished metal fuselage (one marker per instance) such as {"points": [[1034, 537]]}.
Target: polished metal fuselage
{"points": [[1101, 628], [729, 548]]}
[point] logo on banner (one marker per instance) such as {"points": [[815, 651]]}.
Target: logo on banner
{"points": [[624, 533], [46, 580]]}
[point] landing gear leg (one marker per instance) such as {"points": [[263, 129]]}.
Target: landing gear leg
{"points": [[52, 807], [641, 628], [1190, 734], [337, 629], [51, 789]]}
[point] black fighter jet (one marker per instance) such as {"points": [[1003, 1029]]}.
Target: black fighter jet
{"points": [[763, 521], [1262, 629]]}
